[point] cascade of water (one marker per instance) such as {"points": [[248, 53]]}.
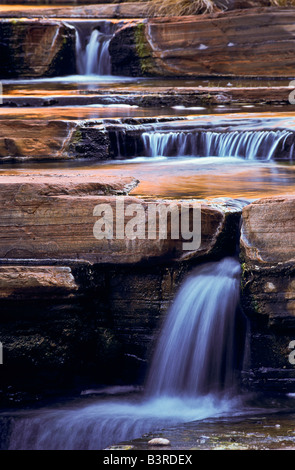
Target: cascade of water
{"points": [[92, 50], [251, 145], [193, 363], [196, 349]]}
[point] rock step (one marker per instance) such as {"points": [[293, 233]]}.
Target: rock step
{"points": [[258, 42], [93, 10], [58, 213], [100, 140], [162, 97]]}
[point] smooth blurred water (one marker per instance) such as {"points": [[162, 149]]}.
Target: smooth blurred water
{"points": [[251, 145], [94, 58], [191, 378], [106, 423], [196, 349]]}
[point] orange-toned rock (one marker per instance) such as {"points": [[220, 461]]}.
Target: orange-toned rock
{"points": [[35, 139], [268, 231], [53, 217], [244, 43], [256, 42], [36, 48], [35, 281], [103, 10], [268, 291], [42, 139]]}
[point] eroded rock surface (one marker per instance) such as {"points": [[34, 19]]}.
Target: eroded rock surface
{"points": [[255, 42], [32, 48], [268, 231], [268, 291], [76, 308], [53, 217]]}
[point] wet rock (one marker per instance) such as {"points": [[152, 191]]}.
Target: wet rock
{"points": [[267, 234], [159, 441], [37, 140], [234, 43], [32, 48], [35, 281], [60, 215], [268, 291], [34, 140]]}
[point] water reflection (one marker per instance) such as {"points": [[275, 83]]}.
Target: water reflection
{"points": [[182, 178]]}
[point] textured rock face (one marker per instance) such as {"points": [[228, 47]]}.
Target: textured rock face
{"points": [[34, 140], [268, 291], [77, 308], [99, 10], [53, 217], [32, 48], [255, 42], [268, 231], [33, 281], [51, 140], [62, 325]]}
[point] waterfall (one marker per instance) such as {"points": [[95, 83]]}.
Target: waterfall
{"points": [[250, 145], [191, 374], [196, 353], [92, 49]]}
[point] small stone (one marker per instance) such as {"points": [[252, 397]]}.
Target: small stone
{"points": [[269, 287], [158, 441], [120, 447]]}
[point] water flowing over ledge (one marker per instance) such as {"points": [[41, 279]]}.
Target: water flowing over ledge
{"points": [[250, 145], [197, 351], [92, 47], [191, 378]]}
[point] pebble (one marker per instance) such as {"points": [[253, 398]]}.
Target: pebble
{"points": [[159, 441]]}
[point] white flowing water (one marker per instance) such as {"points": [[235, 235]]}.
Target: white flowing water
{"points": [[191, 377], [92, 52], [251, 145], [196, 348]]}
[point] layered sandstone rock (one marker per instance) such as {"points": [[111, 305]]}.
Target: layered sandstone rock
{"points": [[268, 231], [76, 308], [42, 139], [35, 281], [36, 48], [34, 139], [156, 96], [268, 291], [54, 140], [53, 217], [255, 42], [99, 10]]}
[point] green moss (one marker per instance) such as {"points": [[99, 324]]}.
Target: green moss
{"points": [[255, 306], [243, 269], [143, 50], [77, 137]]}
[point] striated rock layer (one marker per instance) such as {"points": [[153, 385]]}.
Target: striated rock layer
{"points": [[53, 216], [268, 291], [75, 308], [36, 48], [258, 42]]}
